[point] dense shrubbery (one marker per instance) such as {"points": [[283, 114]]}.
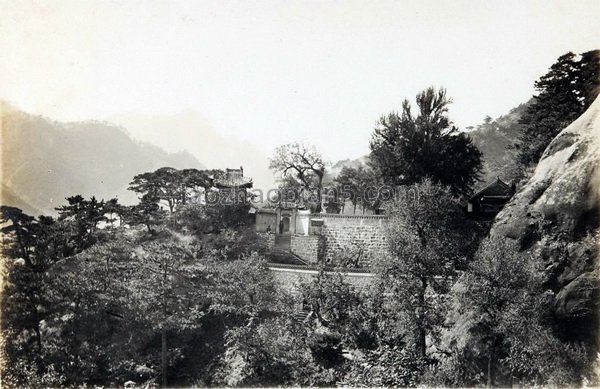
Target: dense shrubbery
{"points": [[499, 328], [86, 305]]}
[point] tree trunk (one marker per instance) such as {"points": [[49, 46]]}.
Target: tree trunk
{"points": [[164, 355], [422, 348], [490, 368], [421, 341], [163, 330], [36, 314], [320, 195], [24, 250], [38, 336]]}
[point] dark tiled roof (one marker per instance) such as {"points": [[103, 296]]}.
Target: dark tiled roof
{"points": [[497, 188], [233, 178]]}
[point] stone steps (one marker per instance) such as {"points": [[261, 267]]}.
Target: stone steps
{"points": [[301, 316], [283, 256], [282, 242]]}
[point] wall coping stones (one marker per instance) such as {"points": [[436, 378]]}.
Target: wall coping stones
{"points": [[356, 217], [314, 269]]}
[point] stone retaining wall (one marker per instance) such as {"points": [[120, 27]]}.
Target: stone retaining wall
{"points": [[359, 244], [268, 237], [306, 247]]}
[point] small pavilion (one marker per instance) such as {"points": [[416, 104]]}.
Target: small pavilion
{"points": [[233, 185]]}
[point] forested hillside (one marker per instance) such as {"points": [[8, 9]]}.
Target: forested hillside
{"points": [[495, 139]]}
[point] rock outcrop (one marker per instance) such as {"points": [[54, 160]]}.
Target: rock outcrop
{"points": [[555, 217]]}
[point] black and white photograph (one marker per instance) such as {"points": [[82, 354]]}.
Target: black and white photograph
{"points": [[299, 193]]}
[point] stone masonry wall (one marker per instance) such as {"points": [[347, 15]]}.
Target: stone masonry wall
{"points": [[359, 239], [306, 247], [268, 237], [265, 220]]}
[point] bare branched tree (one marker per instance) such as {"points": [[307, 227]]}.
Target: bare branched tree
{"points": [[303, 163]]}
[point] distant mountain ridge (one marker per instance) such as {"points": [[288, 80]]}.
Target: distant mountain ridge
{"points": [[44, 161]]}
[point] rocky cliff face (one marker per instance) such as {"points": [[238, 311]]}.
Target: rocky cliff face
{"points": [[555, 216]]}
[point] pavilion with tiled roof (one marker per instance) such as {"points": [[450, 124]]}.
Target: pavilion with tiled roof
{"points": [[233, 186], [233, 178]]}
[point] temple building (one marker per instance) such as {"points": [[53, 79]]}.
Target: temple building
{"points": [[233, 186], [490, 200]]}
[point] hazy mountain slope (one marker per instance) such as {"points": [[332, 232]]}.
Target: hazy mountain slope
{"points": [[191, 132], [45, 161], [493, 138], [555, 216], [8, 197]]}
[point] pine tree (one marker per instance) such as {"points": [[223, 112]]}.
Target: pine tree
{"points": [[564, 93]]}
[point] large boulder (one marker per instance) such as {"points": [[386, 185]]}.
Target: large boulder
{"points": [[555, 217]]}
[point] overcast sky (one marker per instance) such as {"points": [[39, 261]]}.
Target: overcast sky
{"points": [[276, 71]]}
